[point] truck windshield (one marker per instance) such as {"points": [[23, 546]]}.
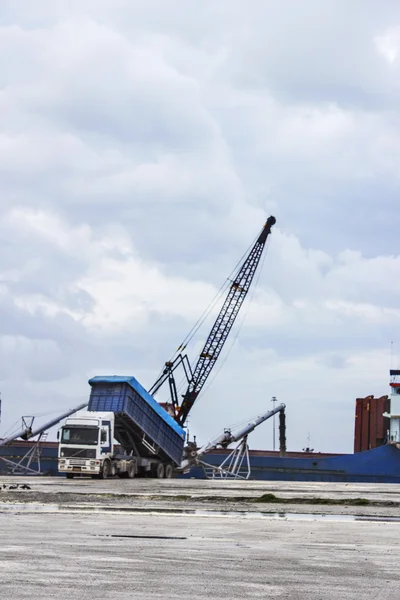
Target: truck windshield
{"points": [[80, 435]]}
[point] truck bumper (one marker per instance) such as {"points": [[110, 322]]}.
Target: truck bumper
{"points": [[87, 469]]}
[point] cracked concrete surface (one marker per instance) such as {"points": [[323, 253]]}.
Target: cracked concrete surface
{"points": [[150, 555]]}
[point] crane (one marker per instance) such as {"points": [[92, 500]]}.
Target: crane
{"points": [[196, 377]]}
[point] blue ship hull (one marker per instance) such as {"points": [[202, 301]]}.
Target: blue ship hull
{"points": [[380, 465], [17, 452]]}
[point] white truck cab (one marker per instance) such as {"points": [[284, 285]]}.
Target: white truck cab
{"points": [[86, 447]]}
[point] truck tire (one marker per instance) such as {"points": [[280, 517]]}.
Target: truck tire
{"points": [[168, 471], [131, 470], [69, 475], [159, 471], [106, 470]]}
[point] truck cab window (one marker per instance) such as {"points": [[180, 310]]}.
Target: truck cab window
{"points": [[80, 435], [103, 438]]}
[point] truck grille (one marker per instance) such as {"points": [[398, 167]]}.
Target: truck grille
{"points": [[77, 452], [76, 462]]}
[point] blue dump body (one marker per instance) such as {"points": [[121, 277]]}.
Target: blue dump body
{"points": [[139, 419]]}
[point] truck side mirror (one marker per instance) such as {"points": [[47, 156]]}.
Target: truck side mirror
{"points": [[58, 435]]}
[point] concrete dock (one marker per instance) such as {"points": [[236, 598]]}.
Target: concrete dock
{"points": [[173, 539]]}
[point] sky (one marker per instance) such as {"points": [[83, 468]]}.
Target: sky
{"points": [[142, 147]]}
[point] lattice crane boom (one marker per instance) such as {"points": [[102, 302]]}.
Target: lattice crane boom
{"points": [[218, 335], [224, 322]]}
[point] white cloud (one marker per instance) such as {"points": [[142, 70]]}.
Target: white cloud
{"points": [[141, 147], [388, 44]]}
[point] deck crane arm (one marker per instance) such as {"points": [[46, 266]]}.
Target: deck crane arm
{"points": [[219, 333], [27, 433], [195, 455]]}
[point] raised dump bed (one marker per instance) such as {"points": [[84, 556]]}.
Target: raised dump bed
{"points": [[142, 426]]}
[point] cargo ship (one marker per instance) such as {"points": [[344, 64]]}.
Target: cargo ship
{"points": [[376, 457], [378, 465]]}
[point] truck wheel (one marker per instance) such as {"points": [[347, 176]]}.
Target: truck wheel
{"points": [[69, 475], [131, 470], [159, 471], [168, 471], [106, 470]]}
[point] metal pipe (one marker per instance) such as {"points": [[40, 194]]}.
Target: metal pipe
{"points": [[282, 432], [28, 433], [253, 424], [228, 437]]}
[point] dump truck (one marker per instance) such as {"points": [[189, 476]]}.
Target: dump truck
{"points": [[124, 432]]}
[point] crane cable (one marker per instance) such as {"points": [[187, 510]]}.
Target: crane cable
{"points": [[231, 277], [238, 329], [241, 324], [208, 310], [213, 302], [179, 388]]}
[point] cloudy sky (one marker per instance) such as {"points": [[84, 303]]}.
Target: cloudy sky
{"points": [[142, 146]]}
